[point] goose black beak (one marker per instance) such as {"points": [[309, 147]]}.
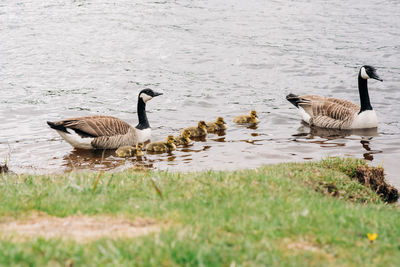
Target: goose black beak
{"points": [[376, 77], [157, 94]]}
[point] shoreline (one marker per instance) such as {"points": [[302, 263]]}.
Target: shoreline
{"points": [[289, 213]]}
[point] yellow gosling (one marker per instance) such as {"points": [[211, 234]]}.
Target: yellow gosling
{"points": [[199, 131], [183, 139], [215, 126], [252, 118], [125, 151], [163, 146], [130, 151], [139, 150]]}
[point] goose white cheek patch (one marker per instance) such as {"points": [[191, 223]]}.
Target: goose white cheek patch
{"points": [[364, 74], [145, 97]]}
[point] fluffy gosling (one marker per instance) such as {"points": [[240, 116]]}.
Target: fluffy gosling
{"points": [[252, 118], [130, 151], [199, 131], [163, 146], [183, 139], [215, 126]]}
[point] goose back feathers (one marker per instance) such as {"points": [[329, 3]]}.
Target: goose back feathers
{"points": [[325, 112], [101, 132]]}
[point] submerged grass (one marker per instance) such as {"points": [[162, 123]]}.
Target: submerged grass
{"points": [[285, 214]]}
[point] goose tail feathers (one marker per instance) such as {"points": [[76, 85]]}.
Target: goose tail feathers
{"points": [[57, 126], [294, 99], [298, 101]]}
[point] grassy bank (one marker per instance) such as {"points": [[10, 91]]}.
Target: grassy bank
{"points": [[285, 214]]}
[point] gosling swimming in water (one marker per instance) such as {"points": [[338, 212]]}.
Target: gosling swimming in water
{"points": [[252, 118], [163, 146], [130, 151], [215, 126], [183, 139], [199, 131]]}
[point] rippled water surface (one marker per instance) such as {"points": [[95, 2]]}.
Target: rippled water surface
{"points": [[62, 58]]}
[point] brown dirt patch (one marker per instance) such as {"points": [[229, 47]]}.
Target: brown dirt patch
{"points": [[79, 228], [293, 247], [301, 245], [374, 177]]}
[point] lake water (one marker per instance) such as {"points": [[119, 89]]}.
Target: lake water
{"points": [[62, 58]]}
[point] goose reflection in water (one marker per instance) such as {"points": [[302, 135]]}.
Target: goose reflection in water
{"points": [[324, 137], [79, 159], [365, 142]]}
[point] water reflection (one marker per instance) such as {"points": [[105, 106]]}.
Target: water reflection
{"points": [[220, 140], [79, 159], [370, 152], [335, 133], [220, 133], [365, 145], [92, 159], [171, 158], [252, 126], [312, 132], [198, 139], [326, 138]]}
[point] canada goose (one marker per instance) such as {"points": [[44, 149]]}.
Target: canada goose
{"points": [[162, 146], [252, 118], [215, 126], [199, 131], [130, 151], [329, 112], [106, 132], [183, 139]]}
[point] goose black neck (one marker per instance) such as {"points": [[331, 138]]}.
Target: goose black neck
{"points": [[141, 111], [364, 96]]}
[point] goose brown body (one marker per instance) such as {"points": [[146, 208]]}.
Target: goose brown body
{"points": [[328, 112], [106, 132], [335, 113]]}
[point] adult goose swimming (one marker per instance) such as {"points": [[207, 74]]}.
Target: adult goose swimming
{"points": [[106, 132], [334, 113]]}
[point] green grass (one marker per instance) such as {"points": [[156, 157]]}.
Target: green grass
{"points": [[276, 215]]}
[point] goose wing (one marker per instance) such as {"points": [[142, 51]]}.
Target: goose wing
{"points": [[115, 141], [327, 112], [93, 126], [344, 103], [100, 132]]}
